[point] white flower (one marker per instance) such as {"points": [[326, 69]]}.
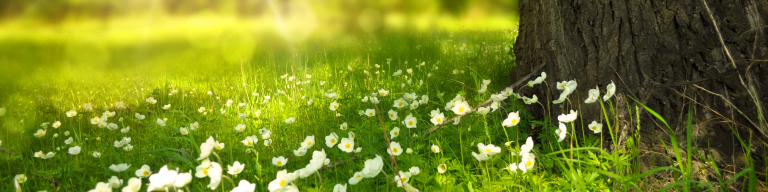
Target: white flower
{"points": [[244, 186], [442, 168], [160, 122], [70, 113], [350, 68], [206, 147], [282, 180], [356, 177], [183, 131], [115, 182], [300, 152], [397, 73], [414, 105], [410, 121], [347, 145], [595, 127], [561, 131], [215, 174], [134, 185], [372, 167], [394, 133], [219, 145], [483, 110], [394, 149], [125, 130], [340, 188], [143, 172], [435, 148], [527, 162], [370, 112], [512, 120], [119, 167], [290, 120], [489, 149], [96, 154], [166, 107], [392, 115], [40, 133], [461, 107], [610, 90], [250, 140], [236, 168], [343, 126], [201, 109], [309, 141], [383, 92], [527, 147], [68, 141], [408, 150], [240, 127], [480, 156], [267, 142], [331, 140], [594, 94], [531, 100], [279, 161], [567, 118], [438, 118], [162, 179], [101, 186], [74, 150], [415, 170], [400, 103], [56, 124], [334, 106], [182, 179], [242, 115]]}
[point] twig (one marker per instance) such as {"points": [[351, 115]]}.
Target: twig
{"points": [[734, 107], [489, 101]]}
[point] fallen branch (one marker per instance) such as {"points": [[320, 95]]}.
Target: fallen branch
{"points": [[489, 101]]}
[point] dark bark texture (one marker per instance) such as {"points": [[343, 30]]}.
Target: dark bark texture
{"points": [[665, 53]]}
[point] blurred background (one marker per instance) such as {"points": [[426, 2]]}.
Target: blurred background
{"points": [[72, 40]]}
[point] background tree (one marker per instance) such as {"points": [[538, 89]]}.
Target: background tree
{"points": [[665, 53]]}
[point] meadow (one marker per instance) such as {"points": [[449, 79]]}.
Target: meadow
{"points": [[225, 110]]}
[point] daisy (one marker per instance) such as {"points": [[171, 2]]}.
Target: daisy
{"points": [[410, 121], [245, 186], [119, 167], [279, 161], [489, 149], [442, 168], [282, 180], [143, 172], [219, 145], [309, 141], [242, 115], [134, 185], [561, 131], [593, 95], [183, 131], [40, 133], [400, 103], [166, 107], [201, 109], [438, 118], [240, 127], [334, 106], [461, 107], [527, 162], [340, 188], [290, 120], [95, 120], [139, 116], [512, 120], [300, 152], [372, 167], [395, 149], [392, 115], [74, 150], [70, 113], [414, 105], [206, 147], [56, 124], [250, 140], [343, 126], [162, 179], [331, 140], [481, 156], [235, 168], [115, 182], [435, 148], [370, 112], [595, 127], [101, 186], [356, 177], [567, 118], [160, 122], [610, 90], [347, 145], [483, 110], [394, 133]]}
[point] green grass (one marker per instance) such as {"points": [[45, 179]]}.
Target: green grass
{"points": [[46, 73]]}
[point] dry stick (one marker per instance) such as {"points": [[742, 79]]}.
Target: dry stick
{"points": [[384, 129], [489, 101], [734, 107], [733, 63]]}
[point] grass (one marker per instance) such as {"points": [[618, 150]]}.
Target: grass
{"points": [[49, 73]]}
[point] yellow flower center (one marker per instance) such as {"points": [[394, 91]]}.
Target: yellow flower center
{"points": [[145, 172], [562, 85], [394, 150], [528, 163], [205, 171], [333, 140], [370, 114], [347, 146], [434, 149], [282, 183], [438, 120], [391, 115], [461, 109], [250, 143], [514, 120], [395, 133], [218, 147], [488, 150], [410, 122], [279, 162], [114, 183], [400, 104], [300, 152], [335, 106], [21, 179], [184, 132], [358, 176], [309, 143], [404, 179], [594, 127]]}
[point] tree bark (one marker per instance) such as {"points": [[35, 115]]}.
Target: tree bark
{"points": [[665, 53]]}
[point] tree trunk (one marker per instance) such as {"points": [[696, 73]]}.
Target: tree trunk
{"points": [[664, 53]]}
